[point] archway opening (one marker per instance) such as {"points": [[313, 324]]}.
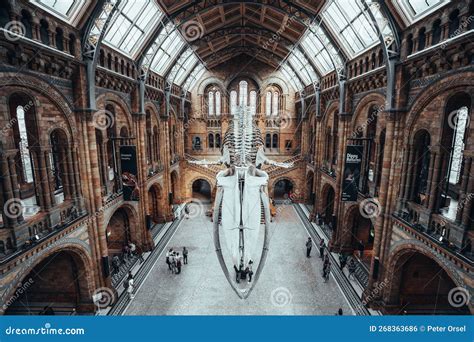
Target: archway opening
{"points": [[362, 235], [118, 232], [422, 287], [283, 190], [154, 197], [58, 285], [202, 190], [174, 187]]}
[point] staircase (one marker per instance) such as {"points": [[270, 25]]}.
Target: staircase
{"points": [[275, 171], [209, 170]]}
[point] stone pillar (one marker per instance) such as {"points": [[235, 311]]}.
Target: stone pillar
{"points": [[383, 194], [7, 190], [434, 182], [463, 201]]}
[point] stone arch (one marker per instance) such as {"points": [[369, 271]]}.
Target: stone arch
{"points": [[325, 208], [278, 81], [242, 75], [156, 198], [358, 227], [401, 252], [309, 187], [445, 86], [111, 98], [290, 187], [203, 193], [80, 252], [208, 81], [364, 103], [122, 227]]}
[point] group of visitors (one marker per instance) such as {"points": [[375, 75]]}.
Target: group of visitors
{"points": [[242, 272], [129, 251], [175, 260], [322, 254]]}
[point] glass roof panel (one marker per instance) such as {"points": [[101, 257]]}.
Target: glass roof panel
{"points": [[351, 25], [302, 66], [167, 52], [320, 49], [291, 77], [131, 24], [194, 76], [414, 10], [65, 9]]}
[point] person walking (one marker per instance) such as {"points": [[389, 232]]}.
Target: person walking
{"points": [[342, 261], [309, 245], [352, 268], [249, 271], [130, 288], [322, 245], [178, 263], [168, 259], [185, 255], [116, 264]]}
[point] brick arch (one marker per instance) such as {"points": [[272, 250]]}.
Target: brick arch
{"points": [[212, 182], [446, 86], [333, 106], [80, 252], [208, 81], [400, 250], [243, 75], [108, 97], [271, 185], [278, 81], [364, 103], [154, 110], [32, 86]]}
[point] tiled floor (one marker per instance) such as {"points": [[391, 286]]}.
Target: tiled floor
{"points": [[290, 284]]}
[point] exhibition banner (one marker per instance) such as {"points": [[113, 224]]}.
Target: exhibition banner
{"points": [[352, 169], [128, 164]]}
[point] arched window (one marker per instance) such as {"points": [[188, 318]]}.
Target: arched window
{"points": [[453, 23], [436, 32], [409, 44], [460, 127], [149, 137], [72, 44], [421, 39], [218, 103], [272, 101], [218, 140], [275, 103], [211, 140], [211, 103], [268, 103], [268, 140], [23, 146], [243, 93], [59, 39], [44, 32], [275, 141], [196, 144], [233, 102], [253, 102], [26, 21]]}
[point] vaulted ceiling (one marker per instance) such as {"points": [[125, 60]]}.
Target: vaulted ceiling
{"points": [[220, 29]]}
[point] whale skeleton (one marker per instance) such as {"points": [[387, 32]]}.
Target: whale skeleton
{"points": [[242, 191]]}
